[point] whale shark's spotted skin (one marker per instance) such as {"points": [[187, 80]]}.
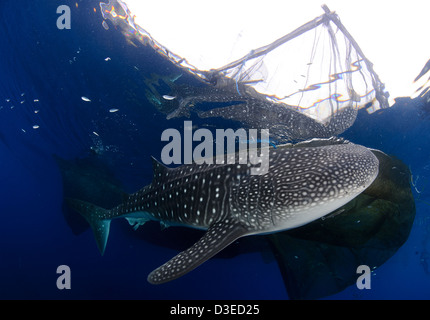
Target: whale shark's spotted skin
{"points": [[302, 184]]}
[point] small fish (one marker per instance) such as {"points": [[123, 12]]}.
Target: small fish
{"points": [[35, 126], [36, 111], [105, 25], [85, 99], [168, 97], [36, 100], [108, 59], [113, 110], [96, 134]]}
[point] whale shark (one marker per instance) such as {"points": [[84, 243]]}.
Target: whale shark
{"points": [[304, 182], [286, 123]]}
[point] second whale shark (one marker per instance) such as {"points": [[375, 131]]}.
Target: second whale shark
{"points": [[304, 182]]}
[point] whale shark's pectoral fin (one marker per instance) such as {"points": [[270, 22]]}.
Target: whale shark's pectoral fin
{"points": [[218, 236]]}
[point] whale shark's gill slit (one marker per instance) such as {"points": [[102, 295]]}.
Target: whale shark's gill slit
{"points": [[218, 236]]}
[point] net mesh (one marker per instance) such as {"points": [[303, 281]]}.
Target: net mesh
{"points": [[317, 70]]}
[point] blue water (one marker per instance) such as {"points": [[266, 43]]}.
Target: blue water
{"points": [[48, 70]]}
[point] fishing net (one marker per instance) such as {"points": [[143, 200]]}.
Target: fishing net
{"points": [[423, 90], [317, 71]]}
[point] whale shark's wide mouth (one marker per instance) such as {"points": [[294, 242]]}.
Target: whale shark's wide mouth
{"points": [[308, 190]]}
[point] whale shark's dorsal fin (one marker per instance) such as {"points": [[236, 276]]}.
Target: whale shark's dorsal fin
{"points": [[159, 169], [218, 236]]}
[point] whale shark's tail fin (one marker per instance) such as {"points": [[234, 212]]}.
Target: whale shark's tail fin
{"points": [[97, 218]]}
